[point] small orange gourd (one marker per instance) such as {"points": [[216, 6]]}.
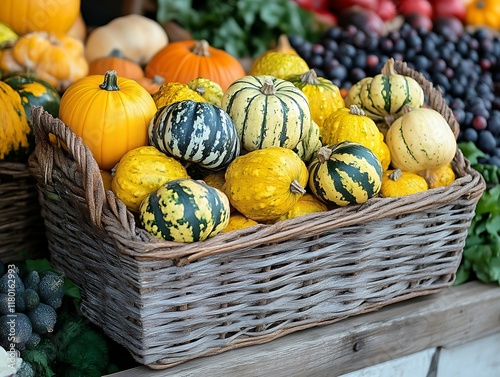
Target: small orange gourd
{"points": [[116, 61], [440, 176], [400, 183]]}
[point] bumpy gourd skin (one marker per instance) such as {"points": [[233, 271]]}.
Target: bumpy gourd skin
{"points": [[260, 184], [14, 127], [352, 124], [397, 183], [173, 92], [142, 171]]}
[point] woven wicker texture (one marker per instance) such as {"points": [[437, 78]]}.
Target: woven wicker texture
{"points": [[22, 231], [168, 302]]}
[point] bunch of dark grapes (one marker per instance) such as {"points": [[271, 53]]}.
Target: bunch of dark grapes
{"points": [[464, 64]]}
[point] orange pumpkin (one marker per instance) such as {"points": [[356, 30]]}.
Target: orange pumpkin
{"points": [[483, 13], [25, 16], [184, 61], [117, 62], [54, 57], [111, 114]]}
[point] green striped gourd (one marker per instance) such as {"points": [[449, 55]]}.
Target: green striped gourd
{"points": [[185, 210], [267, 111], [386, 93], [197, 133], [345, 173], [309, 145]]}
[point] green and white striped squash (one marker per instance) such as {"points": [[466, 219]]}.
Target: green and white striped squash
{"points": [[185, 210], [308, 146], [267, 111], [345, 173], [386, 93], [197, 133]]}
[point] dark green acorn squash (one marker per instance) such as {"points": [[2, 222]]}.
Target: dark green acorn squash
{"points": [[345, 173], [197, 133], [185, 210]]}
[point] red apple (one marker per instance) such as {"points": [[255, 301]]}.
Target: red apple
{"points": [[415, 6], [449, 8], [387, 9], [339, 5]]}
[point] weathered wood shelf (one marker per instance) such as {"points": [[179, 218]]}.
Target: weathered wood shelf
{"points": [[453, 317]]}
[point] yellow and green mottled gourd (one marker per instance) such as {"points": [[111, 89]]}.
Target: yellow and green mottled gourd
{"points": [[345, 173], [185, 210]]}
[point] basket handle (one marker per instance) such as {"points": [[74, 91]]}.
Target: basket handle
{"points": [[434, 95], [49, 153]]}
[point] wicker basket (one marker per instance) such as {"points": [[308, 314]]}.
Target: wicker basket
{"points": [[22, 231], [168, 302]]}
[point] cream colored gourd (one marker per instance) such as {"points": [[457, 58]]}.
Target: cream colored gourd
{"points": [[420, 139], [138, 37]]}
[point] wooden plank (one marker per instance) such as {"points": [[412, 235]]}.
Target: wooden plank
{"points": [[450, 318]]}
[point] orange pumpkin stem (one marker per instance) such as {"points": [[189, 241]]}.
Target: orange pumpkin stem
{"points": [[268, 88], [310, 77], [110, 82], [201, 48], [388, 68]]}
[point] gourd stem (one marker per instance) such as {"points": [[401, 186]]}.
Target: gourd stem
{"points": [[283, 44], [388, 68], [201, 48], [310, 77], [157, 79], [200, 90], [296, 187], [110, 82], [396, 174], [354, 110], [324, 154], [116, 53], [268, 88]]}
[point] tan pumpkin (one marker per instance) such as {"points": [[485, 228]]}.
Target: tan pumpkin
{"points": [[55, 58], [79, 29], [137, 36], [400, 183], [171, 92], [443, 175], [420, 139], [266, 183], [353, 125], [141, 171], [25, 16], [323, 96]]}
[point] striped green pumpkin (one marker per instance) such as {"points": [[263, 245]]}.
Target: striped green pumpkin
{"points": [[267, 111], [185, 210], [386, 93], [345, 173], [196, 133]]}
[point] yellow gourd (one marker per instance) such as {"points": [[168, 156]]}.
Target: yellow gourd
{"points": [[323, 96], [439, 177], [210, 90], [351, 124], [171, 92], [238, 221], [142, 171], [278, 64], [399, 183], [264, 184], [308, 203]]}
